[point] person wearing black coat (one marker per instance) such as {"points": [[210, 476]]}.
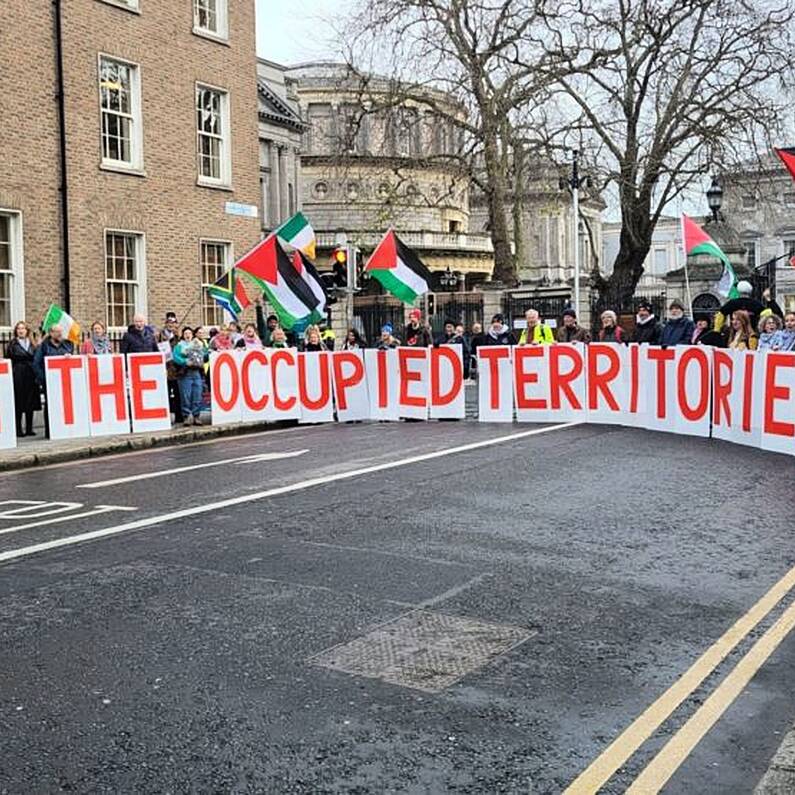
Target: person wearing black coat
{"points": [[138, 338], [499, 333], [27, 397], [647, 329], [52, 345], [679, 329]]}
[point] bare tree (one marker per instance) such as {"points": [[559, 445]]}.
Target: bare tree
{"points": [[658, 92], [479, 52]]}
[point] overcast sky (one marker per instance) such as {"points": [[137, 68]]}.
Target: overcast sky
{"points": [[291, 31]]}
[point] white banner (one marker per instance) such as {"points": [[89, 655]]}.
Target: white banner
{"points": [[67, 396], [8, 431], [413, 366], [108, 411], [383, 383], [148, 392], [315, 388], [225, 392], [448, 398], [350, 386], [495, 383]]}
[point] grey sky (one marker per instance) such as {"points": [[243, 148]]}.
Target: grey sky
{"points": [[291, 31]]}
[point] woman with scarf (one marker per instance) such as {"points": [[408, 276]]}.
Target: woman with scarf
{"points": [[190, 354], [27, 398], [313, 342], [769, 326], [353, 341], [249, 340], [611, 331], [97, 342], [223, 340], [785, 338]]}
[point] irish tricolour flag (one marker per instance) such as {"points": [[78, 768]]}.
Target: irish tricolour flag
{"points": [[297, 233], [697, 241], [57, 317], [285, 288], [399, 270]]}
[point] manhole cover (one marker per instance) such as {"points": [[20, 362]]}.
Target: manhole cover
{"points": [[423, 650]]}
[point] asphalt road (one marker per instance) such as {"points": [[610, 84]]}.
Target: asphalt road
{"points": [[488, 617]]}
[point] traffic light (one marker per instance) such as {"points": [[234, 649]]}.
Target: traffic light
{"points": [[339, 266]]}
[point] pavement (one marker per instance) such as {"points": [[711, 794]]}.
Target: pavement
{"points": [[423, 607]]}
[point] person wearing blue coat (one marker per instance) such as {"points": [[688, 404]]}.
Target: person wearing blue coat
{"points": [[678, 330]]}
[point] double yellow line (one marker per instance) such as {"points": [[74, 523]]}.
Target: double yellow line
{"points": [[679, 747]]}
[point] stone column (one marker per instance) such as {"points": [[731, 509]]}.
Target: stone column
{"points": [[284, 199], [275, 187]]}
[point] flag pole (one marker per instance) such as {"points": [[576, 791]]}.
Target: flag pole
{"points": [[687, 272]]}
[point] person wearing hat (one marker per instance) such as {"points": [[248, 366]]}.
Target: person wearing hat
{"points": [[647, 329], [416, 335], [499, 333], [678, 330], [535, 332], [570, 330], [386, 340]]}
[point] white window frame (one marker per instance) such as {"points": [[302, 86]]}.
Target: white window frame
{"points": [[222, 15], [753, 204], [141, 307], [788, 198], [17, 263], [787, 236], [127, 5], [225, 179], [137, 138], [756, 243], [230, 258]]}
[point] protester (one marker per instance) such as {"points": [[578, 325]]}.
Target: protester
{"points": [[769, 326], [167, 341], [249, 339], [327, 335], [278, 338], [312, 340], [97, 343], [678, 330], [446, 335], [785, 339], [353, 341], [700, 329], [222, 341], [459, 338], [265, 327], [647, 329], [234, 332], [52, 345], [386, 340], [416, 335], [139, 338], [611, 331], [536, 332], [190, 354], [571, 331], [27, 396], [499, 333], [741, 335]]}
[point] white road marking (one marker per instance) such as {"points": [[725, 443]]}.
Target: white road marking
{"points": [[22, 552], [246, 459], [100, 509], [31, 509]]}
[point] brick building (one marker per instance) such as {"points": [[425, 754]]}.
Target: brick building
{"points": [[161, 155]]}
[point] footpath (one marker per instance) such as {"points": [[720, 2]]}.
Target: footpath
{"points": [[38, 451], [780, 776]]}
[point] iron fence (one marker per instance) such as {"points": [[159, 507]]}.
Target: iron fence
{"points": [[371, 312], [514, 305], [466, 308], [627, 309]]}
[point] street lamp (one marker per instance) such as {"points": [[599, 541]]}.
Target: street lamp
{"points": [[715, 198], [575, 183], [448, 280]]}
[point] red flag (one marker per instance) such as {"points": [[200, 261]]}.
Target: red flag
{"points": [[788, 159], [241, 296], [792, 261]]}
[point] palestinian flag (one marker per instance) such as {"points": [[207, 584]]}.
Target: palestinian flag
{"points": [[230, 293], [788, 159], [57, 317], [297, 232], [284, 287], [697, 241], [310, 275], [399, 270]]}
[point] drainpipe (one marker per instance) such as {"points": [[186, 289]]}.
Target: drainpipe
{"points": [[62, 149]]}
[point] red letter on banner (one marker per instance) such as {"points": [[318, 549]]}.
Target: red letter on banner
{"points": [[437, 354], [748, 390], [254, 356], [281, 355], [700, 356], [560, 382], [343, 382], [325, 382], [116, 387], [407, 376], [226, 359], [139, 385], [523, 379], [661, 356], [493, 356], [64, 365], [598, 382], [773, 392], [722, 389]]}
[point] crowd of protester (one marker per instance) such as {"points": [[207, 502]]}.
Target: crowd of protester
{"points": [[742, 324]]}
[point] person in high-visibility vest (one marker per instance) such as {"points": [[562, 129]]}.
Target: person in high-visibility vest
{"points": [[536, 333]]}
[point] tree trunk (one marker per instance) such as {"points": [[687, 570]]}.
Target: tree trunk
{"points": [[496, 194], [520, 251]]}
